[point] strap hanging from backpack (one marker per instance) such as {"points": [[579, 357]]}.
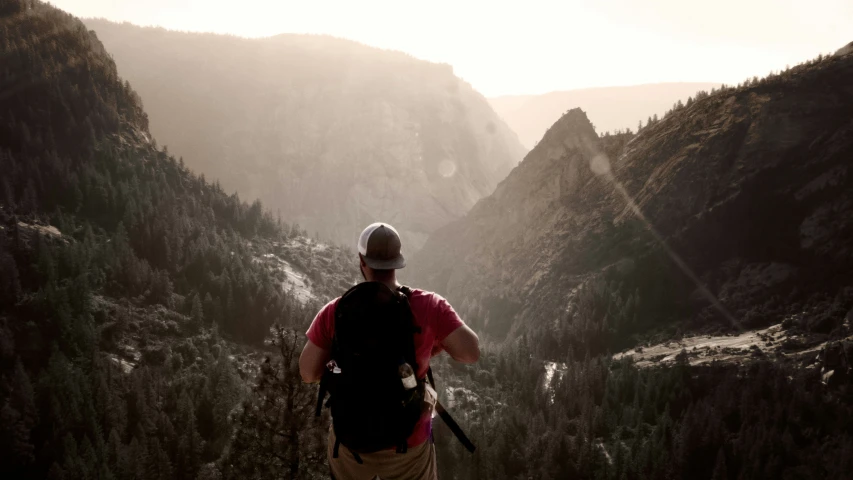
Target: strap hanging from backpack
{"points": [[336, 448], [321, 395], [448, 420]]}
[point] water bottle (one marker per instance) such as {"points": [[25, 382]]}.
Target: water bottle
{"points": [[407, 375], [333, 367]]}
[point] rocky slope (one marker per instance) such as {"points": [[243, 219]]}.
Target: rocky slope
{"points": [[135, 296], [609, 108], [331, 133], [749, 190]]}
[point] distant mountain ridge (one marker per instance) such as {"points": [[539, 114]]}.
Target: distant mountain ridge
{"points": [[750, 187], [333, 134], [609, 108]]}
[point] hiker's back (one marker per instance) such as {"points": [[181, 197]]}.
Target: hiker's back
{"points": [[376, 400], [433, 320], [371, 348]]}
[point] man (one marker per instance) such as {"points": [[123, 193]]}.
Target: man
{"points": [[379, 252]]}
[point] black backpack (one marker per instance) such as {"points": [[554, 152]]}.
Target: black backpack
{"points": [[374, 335]]}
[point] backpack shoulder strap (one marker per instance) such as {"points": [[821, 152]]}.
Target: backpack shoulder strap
{"points": [[448, 420], [408, 293], [454, 427]]}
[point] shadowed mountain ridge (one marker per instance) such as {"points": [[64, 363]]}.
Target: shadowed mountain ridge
{"points": [[749, 187]]}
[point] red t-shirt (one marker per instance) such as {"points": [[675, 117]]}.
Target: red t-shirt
{"points": [[433, 315]]}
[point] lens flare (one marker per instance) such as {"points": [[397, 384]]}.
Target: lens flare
{"points": [[446, 168], [600, 165]]}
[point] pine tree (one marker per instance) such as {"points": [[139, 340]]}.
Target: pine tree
{"points": [[158, 466], [278, 435], [8, 194], [10, 285], [197, 311], [191, 445], [18, 416], [720, 470]]}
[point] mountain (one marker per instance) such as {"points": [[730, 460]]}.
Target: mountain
{"points": [[331, 133], [732, 212], [135, 296], [150, 323], [609, 108], [712, 249]]}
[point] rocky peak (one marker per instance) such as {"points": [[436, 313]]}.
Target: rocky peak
{"points": [[748, 187], [556, 165], [531, 211], [573, 127]]}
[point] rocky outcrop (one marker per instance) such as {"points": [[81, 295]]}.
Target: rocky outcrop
{"points": [[332, 134], [510, 241], [747, 190]]}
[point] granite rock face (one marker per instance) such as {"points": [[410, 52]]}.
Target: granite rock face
{"points": [[332, 134], [748, 189]]}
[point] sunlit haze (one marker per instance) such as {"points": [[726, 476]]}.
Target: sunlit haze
{"points": [[536, 46]]}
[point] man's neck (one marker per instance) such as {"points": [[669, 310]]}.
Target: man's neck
{"points": [[389, 282]]}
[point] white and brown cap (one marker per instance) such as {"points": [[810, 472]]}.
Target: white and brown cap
{"points": [[379, 245]]}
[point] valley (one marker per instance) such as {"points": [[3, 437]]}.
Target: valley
{"points": [[674, 302], [735, 349], [328, 133]]}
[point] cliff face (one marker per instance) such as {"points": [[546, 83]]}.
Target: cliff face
{"points": [[333, 134], [749, 189]]}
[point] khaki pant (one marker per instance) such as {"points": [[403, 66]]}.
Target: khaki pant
{"points": [[418, 463]]}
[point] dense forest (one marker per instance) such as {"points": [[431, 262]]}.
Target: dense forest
{"points": [[554, 406], [145, 333], [597, 419], [131, 291]]}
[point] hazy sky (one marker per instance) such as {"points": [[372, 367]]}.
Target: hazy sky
{"points": [[533, 46]]}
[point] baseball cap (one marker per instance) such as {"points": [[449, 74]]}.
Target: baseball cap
{"points": [[380, 246]]}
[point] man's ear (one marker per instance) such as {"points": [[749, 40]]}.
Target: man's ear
{"points": [[361, 260]]}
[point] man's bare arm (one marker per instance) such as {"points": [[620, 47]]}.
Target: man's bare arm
{"points": [[312, 362], [463, 345]]}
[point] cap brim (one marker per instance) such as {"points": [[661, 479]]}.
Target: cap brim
{"points": [[392, 264]]}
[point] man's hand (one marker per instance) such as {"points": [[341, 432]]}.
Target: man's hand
{"points": [[312, 362], [463, 345]]}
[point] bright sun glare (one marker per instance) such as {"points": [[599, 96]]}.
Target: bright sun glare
{"points": [[537, 46]]}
